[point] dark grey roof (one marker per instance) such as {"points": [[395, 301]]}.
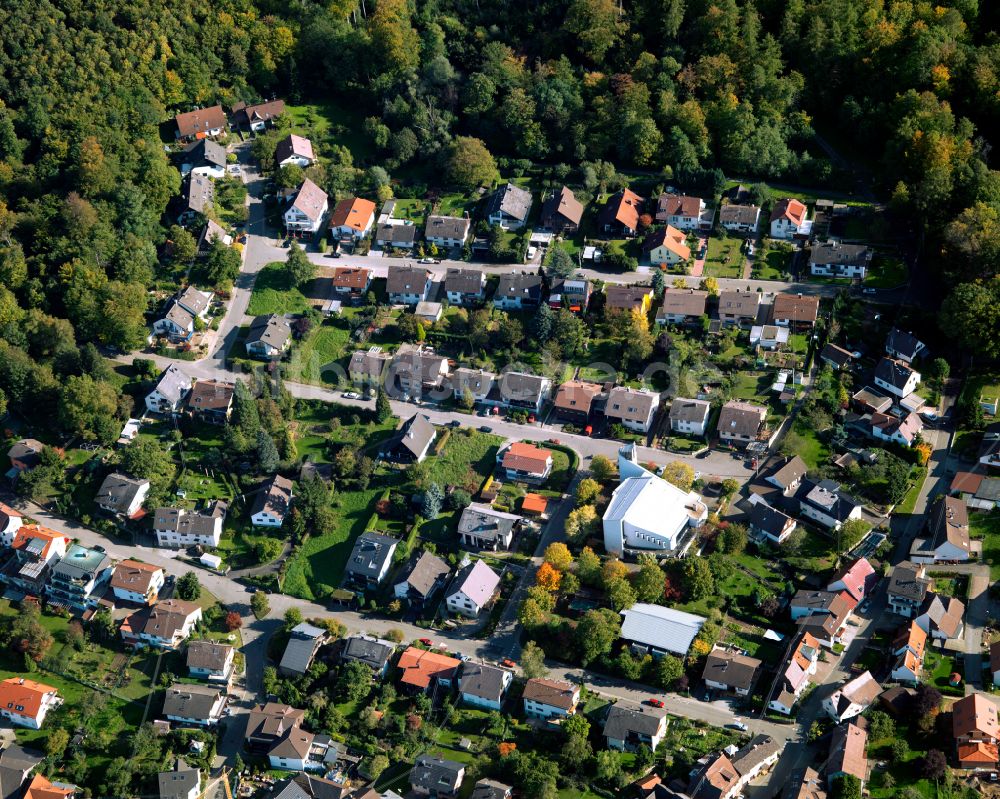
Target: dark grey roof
{"points": [[26, 450], [288, 789], [190, 701], [416, 433], [903, 342], [739, 214], [427, 572], [523, 387], [15, 763], [514, 201], [484, 522], [396, 234], [271, 329], [373, 652], [368, 363], [827, 496], [526, 285], [199, 193], [906, 582], [834, 252], [406, 280], [791, 471], [730, 668], [490, 789], [463, 281], [274, 496], [319, 788], [625, 717], [178, 520], [759, 749], [835, 354], [205, 151], [768, 520], [893, 372], [688, 410], [486, 682], [435, 774], [179, 783], [422, 364], [447, 227], [207, 655], [371, 551], [301, 648]]}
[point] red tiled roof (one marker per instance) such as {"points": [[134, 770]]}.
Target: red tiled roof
{"points": [[17, 692], [526, 458]]}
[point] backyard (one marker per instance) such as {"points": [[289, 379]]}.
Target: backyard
{"points": [[724, 258], [986, 527], [886, 273], [325, 344], [273, 293]]}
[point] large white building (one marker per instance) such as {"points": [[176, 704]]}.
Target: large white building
{"points": [[646, 512]]}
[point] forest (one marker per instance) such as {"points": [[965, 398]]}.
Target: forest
{"points": [[897, 98]]}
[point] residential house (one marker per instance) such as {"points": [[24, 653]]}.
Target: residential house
{"points": [[268, 724], [907, 589], [795, 673], [135, 581], [197, 198], [122, 495], [573, 294], [26, 703], [896, 377], [35, 550], [550, 699], [418, 370], [852, 698], [170, 391], [183, 782], [630, 725], [483, 686], [858, 579], [978, 490], [16, 763], [210, 660], [628, 299], [898, 430], [768, 337], [447, 231], [739, 218], [632, 408], [682, 306], [425, 671], [176, 324], [274, 498], [10, 523], [689, 416], [370, 560], [165, 625], [465, 287], [200, 123], [835, 356], [351, 283], [726, 775], [491, 789], [788, 475], [472, 589], [903, 346], [304, 642], [294, 150], [429, 312], [518, 290], [411, 442], [194, 704], [436, 777], [741, 423], [867, 400], [269, 337], [211, 401], [426, 576], [308, 209], [788, 219], [835, 259], [42, 788], [534, 505], [666, 246], [574, 401], [908, 651], [771, 523], [941, 617], [520, 391], [211, 233], [408, 285], [366, 367], [948, 530], [482, 527], [562, 212], [620, 214], [396, 237], [477, 382], [646, 513], [795, 311], [204, 157], [976, 731], [375, 653], [730, 671], [739, 307], [847, 753], [258, 116], [825, 502], [680, 211], [995, 662], [824, 614], [526, 462], [656, 630], [177, 528], [716, 779], [509, 207], [25, 454], [79, 579]]}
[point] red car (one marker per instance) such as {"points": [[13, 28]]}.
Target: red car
{"points": [[426, 642], [510, 664], [654, 702]]}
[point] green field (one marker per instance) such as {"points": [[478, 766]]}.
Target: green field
{"points": [[272, 293], [724, 258], [773, 267], [986, 527], [886, 273], [467, 459], [805, 443], [323, 345], [331, 123]]}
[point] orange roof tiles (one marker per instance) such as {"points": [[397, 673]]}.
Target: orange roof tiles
{"points": [[33, 531], [534, 503], [526, 458], [23, 696], [41, 788], [419, 666], [353, 212]]}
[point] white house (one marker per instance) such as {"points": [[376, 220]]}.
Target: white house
{"points": [[826, 503], [508, 207], [852, 698], [788, 219], [272, 503], [10, 523], [170, 390], [896, 377], [903, 345], [548, 699], [794, 679], [768, 337], [646, 512], [482, 685], [183, 782], [472, 589], [25, 703], [352, 218], [630, 725], [739, 218], [689, 416], [447, 231], [902, 431], [210, 660], [294, 150], [632, 408], [680, 211], [177, 528], [122, 495], [308, 209], [834, 259], [176, 324], [165, 625], [194, 704], [656, 630], [948, 539], [730, 671], [138, 582]]}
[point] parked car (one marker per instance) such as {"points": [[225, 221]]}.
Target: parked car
{"points": [[485, 429], [454, 423], [868, 291], [654, 702], [508, 663], [334, 254], [737, 725], [428, 261], [426, 642], [351, 395]]}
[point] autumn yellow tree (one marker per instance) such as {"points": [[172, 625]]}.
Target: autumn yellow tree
{"points": [[548, 577], [558, 556]]}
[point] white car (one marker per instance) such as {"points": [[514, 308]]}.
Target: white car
{"points": [[531, 253], [428, 261], [351, 395]]}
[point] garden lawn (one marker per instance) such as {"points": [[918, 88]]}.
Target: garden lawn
{"points": [[815, 554], [752, 387], [805, 443], [317, 568], [886, 273], [467, 459], [938, 668], [333, 123], [773, 267], [273, 294], [986, 526], [324, 344], [724, 258]]}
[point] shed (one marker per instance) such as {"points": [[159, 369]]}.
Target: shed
{"points": [[212, 561]]}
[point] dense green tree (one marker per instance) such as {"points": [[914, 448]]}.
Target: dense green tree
{"points": [[697, 578], [300, 269], [469, 164], [596, 632], [188, 587]]}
